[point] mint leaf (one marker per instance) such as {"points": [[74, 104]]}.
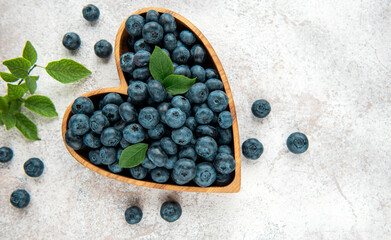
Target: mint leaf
{"points": [[41, 105], [1, 121], [3, 104], [160, 64], [133, 155], [178, 84], [29, 53], [8, 77], [14, 106], [31, 83], [15, 91], [19, 67], [26, 127], [67, 70], [9, 119]]}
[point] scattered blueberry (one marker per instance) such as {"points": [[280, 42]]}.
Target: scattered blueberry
{"points": [[171, 211], [6, 154], [184, 171], [133, 215], [71, 41], [224, 163], [297, 143], [205, 174], [261, 108], [20, 198], [103, 48], [91, 13], [83, 105], [134, 133], [134, 25], [160, 175], [252, 148], [33, 167]]}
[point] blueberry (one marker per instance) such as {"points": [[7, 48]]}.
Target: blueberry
{"points": [[204, 116], [206, 130], [225, 119], [218, 101], [79, 124], [141, 58], [180, 55], [138, 91], [171, 162], [119, 152], [111, 111], [205, 174], [134, 25], [148, 164], [188, 152], [191, 123], [157, 132], [252, 148], [113, 98], [260, 108], [198, 93], [128, 112], [206, 147], [187, 37], [6, 154], [114, 168], [133, 215], [148, 117], [138, 172], [160, 175], [108, 155], [152, 32], [297, 143], [120, 125], [167, 52], [162, 109], [197, 54], [110, 137], [214, 84], [170, 41], [225, 136], [33, 167], [124, 144], [211, 73], [183, 70], [141, 73], [157, 155], [156, 91], [182, 136], [94, 157], [126, 62], [73, 141], [168, 22], [20, 198], [134, 133], [92, 140], [83, 105], [184, 171], [152, 16], [71, 41], [182, 103], [103, 49], [224, 163], [168, 146], [142, 45], [225, 149], [223, 179], [198, 72], [198, 106], [175, 118], [98, 122], [91, 13]]}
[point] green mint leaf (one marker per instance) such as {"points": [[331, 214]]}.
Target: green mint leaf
{"points": [[9, 119], [26, 127], [133, 155], [8, 77], [177, 84], [31, 83], [160, 64], [29, 53], [19, 67], [3, 104], [14, 105], [67, 71], [1, 120], [16, 91], [41, 105]]}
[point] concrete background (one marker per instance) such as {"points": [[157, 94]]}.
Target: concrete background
{"points": [[323, 65]]}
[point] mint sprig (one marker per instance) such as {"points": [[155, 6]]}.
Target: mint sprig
{"points": [[64, 71], [133, 155], [162, 69]]}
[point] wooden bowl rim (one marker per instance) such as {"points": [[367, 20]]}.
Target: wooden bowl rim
{"points": [[234, 186]]}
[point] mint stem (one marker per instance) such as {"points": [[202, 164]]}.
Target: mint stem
{"points": [[31, 69]]}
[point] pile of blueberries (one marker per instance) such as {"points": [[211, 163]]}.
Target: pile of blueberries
{"points": [[33, 167], [189, 135]]}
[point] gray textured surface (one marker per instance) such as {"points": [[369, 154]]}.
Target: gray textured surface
{"points": [[323, 65]]}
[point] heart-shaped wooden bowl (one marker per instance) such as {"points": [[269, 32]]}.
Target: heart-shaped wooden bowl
{"points": [[213, 61]]}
